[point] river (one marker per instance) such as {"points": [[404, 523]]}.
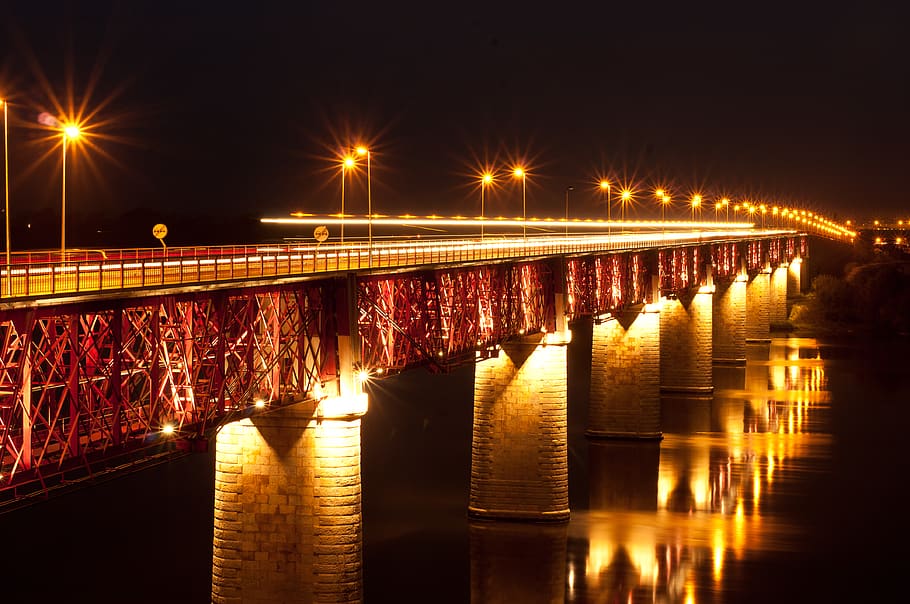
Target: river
{"points": [[786, 486]]}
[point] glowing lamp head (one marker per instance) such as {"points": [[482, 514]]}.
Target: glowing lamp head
{"points": [[259, 403], [71, 131], [626, 195], [363, 375], [659, 193], [696, 201], [604, 185], [167, 429], [487, 178], [725, 202], [348, 162], [666, 199], [518, 172], [361, 150]]}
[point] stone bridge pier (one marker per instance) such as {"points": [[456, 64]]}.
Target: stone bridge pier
{"points": [[287, 505], [519, 455]]}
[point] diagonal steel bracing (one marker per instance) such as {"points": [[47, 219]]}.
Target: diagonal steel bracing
{"points": [[85, 384]]}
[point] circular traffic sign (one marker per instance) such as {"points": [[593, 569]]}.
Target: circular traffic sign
{"points": [[321, 233], [159, 231]]}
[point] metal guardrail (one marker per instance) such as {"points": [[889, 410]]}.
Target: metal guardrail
{"points": [[36, 275]]}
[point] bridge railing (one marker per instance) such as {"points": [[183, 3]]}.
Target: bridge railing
{"points": [[44, 274]]}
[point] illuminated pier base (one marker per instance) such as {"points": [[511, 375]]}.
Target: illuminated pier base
{"points": [[625, 377], [795, 277], [519, 463], [686, 348], [777, 299], [729, 323], [758, 319], [287, 506], [513, 563]]}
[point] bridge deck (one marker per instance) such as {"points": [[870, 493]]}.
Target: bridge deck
{"points": [[33, 276]]}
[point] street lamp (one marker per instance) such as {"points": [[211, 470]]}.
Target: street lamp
{"points": [[663, 207], [347, 163], [659, 193], [569, 188], [625, 197], [70, 132], [717, 206], [696, 203], [520, 172], [361, 151], [6, 190], [725, 202], [485, 180]]}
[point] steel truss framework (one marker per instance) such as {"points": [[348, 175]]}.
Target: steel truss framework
{"points": [[684, 268], [597, 285], [84, 384], [444, 317]]}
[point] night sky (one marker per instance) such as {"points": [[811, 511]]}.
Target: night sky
{"points": [[225, 111]]}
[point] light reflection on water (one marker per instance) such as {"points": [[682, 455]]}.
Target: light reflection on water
{"points": [[784, 486], [681, 520]]}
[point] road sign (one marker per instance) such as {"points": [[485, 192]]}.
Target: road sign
{"points": [[321, 233], [159, 231]]}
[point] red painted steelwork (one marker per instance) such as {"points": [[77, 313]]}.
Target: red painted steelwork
{"points": [[444, 317], [84, 384], [725, 260], [597, 285]]}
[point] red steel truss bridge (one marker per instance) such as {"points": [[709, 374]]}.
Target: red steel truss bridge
{"points": [[113, 359]]}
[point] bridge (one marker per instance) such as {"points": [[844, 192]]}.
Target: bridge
{"points": [[112, 359]]}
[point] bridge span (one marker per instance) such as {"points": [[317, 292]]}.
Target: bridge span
{"points": [[118, 357]]}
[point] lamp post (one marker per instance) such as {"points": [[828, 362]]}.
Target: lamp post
{"points": [[485, 180], [696, 203], [659, 193], [717, 206], [520, 172], [361, 151], [569, 188], [626, 196], [70, 132], [726, 204], [605, 197], [6, 190], [347, 163]]}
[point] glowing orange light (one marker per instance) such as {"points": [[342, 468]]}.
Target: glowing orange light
{"points": [[626, 195], [666, 199], [487, 178], [696, 200], [361, 150], [725, 202], [348, 162], [71, 131], [659, 193], [604, 184], [518, 172]]}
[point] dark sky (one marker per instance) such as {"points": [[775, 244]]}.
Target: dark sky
{"points": [[228, 110]]}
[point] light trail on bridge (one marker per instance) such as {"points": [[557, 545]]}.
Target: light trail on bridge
{"points": [[154, 267]]}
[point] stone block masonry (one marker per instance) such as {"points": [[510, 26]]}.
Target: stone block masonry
{"points": [[686, 344], [287, 510], [729, 323], [519, 463], [625, 377], [777, 296], [758, 318]]}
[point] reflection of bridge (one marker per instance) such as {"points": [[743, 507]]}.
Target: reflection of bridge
{"points": [[133, 354]]}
